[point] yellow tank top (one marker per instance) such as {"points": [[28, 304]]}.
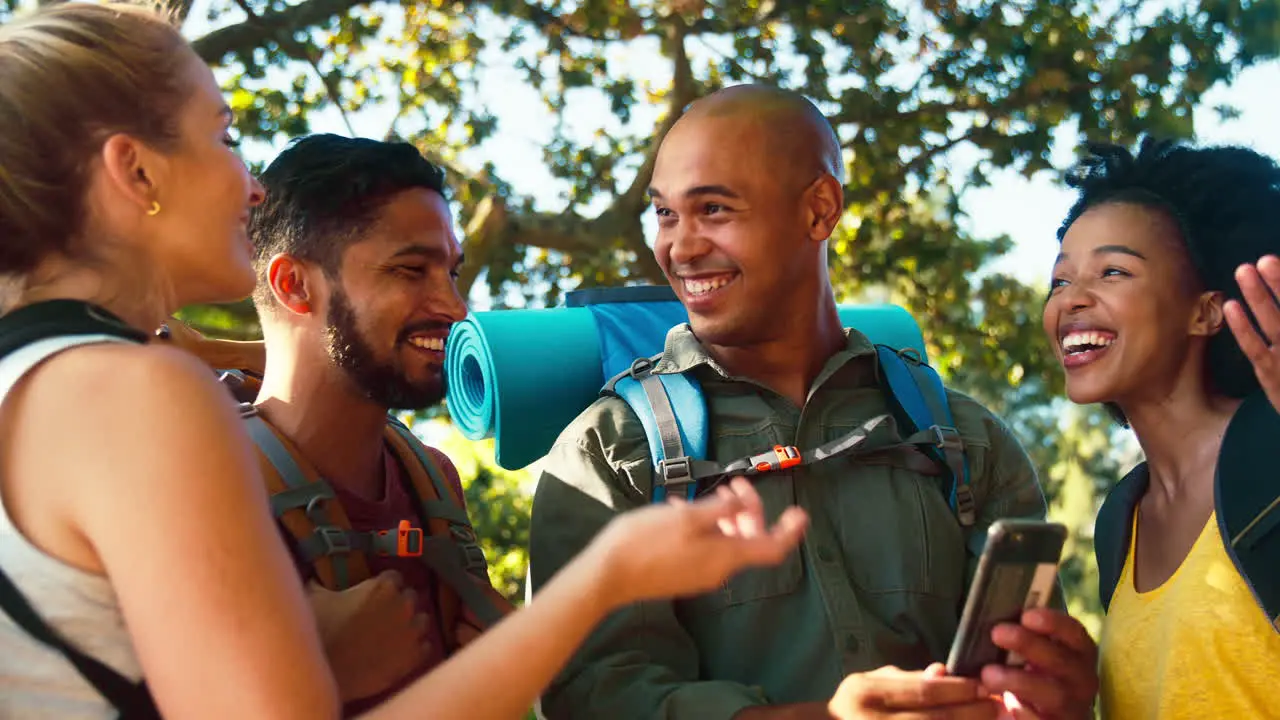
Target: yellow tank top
{"points": [[1197, 647]]}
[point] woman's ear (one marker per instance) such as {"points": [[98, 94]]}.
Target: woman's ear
{"points": [[1208, 318], [133, 170]]}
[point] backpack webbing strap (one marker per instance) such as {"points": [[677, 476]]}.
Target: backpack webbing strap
{"points": [[327, 538], [372, 543], [444, 557], [668, 430], [865, 440], [917, 392], [132, 700], [443, 509], [452, 560]]}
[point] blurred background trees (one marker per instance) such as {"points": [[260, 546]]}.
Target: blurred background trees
{"points": [[930, 98]]}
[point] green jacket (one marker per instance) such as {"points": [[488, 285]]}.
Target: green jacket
{"points": [[880, 579]]}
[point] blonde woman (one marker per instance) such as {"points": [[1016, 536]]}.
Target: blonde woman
{"points": [[135, 539]]}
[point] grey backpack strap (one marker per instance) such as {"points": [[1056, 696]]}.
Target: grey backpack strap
{"points": [[457, 560], [328, 539]]}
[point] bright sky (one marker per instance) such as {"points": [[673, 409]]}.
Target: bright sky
{"points": [[1028, 210]]}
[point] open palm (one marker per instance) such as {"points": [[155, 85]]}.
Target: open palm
{"points": [[1260, 285]]}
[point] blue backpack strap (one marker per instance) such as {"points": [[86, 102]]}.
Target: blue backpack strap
{"points": [[673, 411], [920, 399]]}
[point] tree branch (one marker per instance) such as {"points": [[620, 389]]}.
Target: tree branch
{"points": [[298, 51], [683, 92], [245, 37], [482, 233]]}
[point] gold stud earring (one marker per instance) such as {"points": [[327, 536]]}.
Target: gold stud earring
{"points": [[155, 208]]}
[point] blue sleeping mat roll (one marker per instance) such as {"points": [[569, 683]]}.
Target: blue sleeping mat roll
{"points": [[521, 376]]}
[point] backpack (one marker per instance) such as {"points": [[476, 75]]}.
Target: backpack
{"points": [[1246, 495], [673, 409], [316, 528], [18, 329]]}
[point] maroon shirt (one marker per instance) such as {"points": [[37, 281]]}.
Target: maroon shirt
{"points": [[397, 504]]}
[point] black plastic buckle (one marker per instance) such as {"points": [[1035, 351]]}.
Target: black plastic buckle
{"points": [[334, 539], [675, 471]]}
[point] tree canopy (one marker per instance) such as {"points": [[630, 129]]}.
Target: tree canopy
{"points": [[928, 97]]}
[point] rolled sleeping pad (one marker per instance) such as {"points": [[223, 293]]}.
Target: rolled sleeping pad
{"points": [[521, 376]]}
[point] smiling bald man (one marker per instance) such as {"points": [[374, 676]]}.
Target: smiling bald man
{"points": [[747, 189]]}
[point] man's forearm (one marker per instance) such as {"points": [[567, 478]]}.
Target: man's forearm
{"points": [[797, 711]]}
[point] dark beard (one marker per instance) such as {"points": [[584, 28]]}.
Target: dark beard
{"points": [[381, 382]]}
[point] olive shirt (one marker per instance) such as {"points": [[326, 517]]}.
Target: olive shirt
{"points": [[880, 578]]}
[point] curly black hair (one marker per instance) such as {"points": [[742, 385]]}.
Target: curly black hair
{"points": [[1225, 201], [324, 191]]}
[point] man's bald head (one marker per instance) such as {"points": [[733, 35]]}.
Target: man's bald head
{"points": [[747, 188], [795, 135]]}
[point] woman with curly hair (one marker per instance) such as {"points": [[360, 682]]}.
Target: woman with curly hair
{"points": [[1161, 254]]}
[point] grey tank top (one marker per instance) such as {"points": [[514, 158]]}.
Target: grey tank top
{"points": [[35, 680]]}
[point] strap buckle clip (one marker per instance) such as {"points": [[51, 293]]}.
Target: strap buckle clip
{"points": [[675, 471], [334, 539], [945, 437], [781, 458], [408, 541]]}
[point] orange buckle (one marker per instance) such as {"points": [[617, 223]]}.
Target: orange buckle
{"points": [[784, 456], [788, 456], [408, 540]]}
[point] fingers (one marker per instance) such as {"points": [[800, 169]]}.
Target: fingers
{"points": [[1063, 628], [1258, 293], [751, 517], [936, 670], [790, 527], [1061, 657], [911, 691], [391, 578], [1042, 652], [410, 597], [1253, 346], [1043, 692]]}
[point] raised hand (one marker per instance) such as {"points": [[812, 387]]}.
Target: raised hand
{"points": [[930, 693], [374, 633], [1259, 283], [1060, 679], [687, 548]]}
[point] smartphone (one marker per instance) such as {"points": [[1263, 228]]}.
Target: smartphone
{"points": [[1017, 571]]}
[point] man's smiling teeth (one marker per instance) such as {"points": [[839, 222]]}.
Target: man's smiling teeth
{"points": [[428, 343], [1087, 340], [698, 287]]}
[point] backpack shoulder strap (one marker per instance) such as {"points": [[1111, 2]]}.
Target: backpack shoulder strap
{"points": [[1247, 500], [307, 507], [57, 318], [132, 700], [1113, 528], [673, 411], [451, 549], [919, 400]]}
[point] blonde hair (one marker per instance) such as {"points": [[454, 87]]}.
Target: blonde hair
{"points": [[72, 75]]}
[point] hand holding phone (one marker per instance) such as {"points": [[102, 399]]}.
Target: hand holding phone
{"points": [[1017, 571]]}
